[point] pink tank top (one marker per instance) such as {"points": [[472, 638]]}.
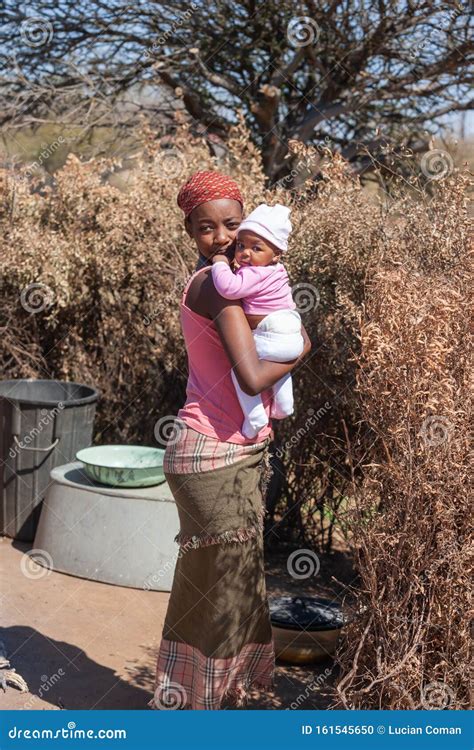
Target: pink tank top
{"points": [[212, 407]]}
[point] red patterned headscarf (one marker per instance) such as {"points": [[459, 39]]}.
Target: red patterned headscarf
{"points": [[207, 186]]}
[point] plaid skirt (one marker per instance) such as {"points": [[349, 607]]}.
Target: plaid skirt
{"points": [[217, 640]]}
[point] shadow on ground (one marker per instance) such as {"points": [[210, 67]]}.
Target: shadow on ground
{"points": [[81, 644], [64, 676]]}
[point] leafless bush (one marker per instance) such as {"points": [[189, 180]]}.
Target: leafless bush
{"points": [[91, 278], [115, 263], [409, 645]]}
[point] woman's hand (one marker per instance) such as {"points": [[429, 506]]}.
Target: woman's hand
{"points": [[226, 255]]}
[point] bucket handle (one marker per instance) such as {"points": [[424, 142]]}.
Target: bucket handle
{"points": [[41, 450]]}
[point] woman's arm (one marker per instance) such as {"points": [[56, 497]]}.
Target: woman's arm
{"points": [[253, 374]]}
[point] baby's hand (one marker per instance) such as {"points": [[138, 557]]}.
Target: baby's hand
{"points": [[219, 257]]}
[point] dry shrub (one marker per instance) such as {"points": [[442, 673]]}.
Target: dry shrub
{"points": [[113, 264], [409, 646], [385, 297], [339, 236]]}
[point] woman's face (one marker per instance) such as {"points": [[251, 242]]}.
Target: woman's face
{"points": [[213, 225]]}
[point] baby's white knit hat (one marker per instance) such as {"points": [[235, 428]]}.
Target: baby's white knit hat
{"points": [[270, 222]]}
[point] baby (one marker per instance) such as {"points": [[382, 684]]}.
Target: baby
{"points": [[262, 283]]}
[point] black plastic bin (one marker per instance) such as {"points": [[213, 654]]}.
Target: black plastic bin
{"points": [[43, 423]]}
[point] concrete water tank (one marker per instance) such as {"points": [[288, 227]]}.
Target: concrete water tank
{"points": [[123, 536]]}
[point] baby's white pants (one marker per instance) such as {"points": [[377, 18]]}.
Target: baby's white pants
{"points": [[277, 338]]}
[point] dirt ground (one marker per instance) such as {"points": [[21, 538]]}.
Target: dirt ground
{"points": [[80, 644]]}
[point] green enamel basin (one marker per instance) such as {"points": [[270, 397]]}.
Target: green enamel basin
{"points": [[123, 465]]}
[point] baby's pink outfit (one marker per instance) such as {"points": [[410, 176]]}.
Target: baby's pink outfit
{"points": [[262, 289], [265, 290]]}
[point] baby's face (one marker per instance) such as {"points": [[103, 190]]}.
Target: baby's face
{"points": [[252, 250]]}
